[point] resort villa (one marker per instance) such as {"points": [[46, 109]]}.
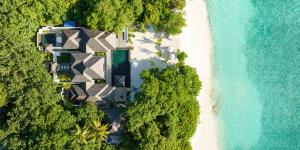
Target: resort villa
{"points": [[94, 63]]}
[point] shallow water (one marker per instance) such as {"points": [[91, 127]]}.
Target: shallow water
{"points": [[256, 72]]}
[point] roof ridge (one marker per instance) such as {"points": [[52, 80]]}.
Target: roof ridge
{"points": [[101, 43]]}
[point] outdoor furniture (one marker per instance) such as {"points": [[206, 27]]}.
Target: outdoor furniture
{"points": [[58, 39]]}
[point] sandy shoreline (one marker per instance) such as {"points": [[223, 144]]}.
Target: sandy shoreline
{"points": [[196, 41]]}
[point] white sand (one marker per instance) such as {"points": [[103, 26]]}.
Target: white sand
{"points": [[196, 41], [145, 55]]}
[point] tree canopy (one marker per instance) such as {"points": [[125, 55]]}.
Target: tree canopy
{"points": [[165, 15], [108, 15], [164, 113], [112, 15]]}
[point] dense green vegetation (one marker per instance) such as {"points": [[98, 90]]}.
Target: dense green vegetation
{"points": [[165, 15], [108, 15], [112, 15], [165, 111], [32, 115]]}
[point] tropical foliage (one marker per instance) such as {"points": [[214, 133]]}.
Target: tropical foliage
{"points": [[165, 15], [181, 56], [108, 15], [165, 111], [63, 77], [112, 15], [90, 132]]}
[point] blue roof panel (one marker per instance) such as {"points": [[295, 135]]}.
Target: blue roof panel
{"points": [[69, 24]]}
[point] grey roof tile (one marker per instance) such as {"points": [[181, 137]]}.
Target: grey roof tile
{"points": [[90, 33], [80, 56], [95, 89], [80, 78], [77, 90], [69, 41], [92, 61], [92, 74], [108, 90]]}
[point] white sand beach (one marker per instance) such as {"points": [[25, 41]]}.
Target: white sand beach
{"points": [[196, 41]]}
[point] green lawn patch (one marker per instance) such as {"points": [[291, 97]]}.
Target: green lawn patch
{"points": [[64, 58]]}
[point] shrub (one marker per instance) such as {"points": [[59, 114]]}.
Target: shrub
{"points": [[64, 77], [48, 57], [181, 56], [166, 101], [67, 85], [158, 42], [100, 54]]}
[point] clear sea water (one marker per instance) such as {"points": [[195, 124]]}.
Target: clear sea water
{"points": [[256, 72]]}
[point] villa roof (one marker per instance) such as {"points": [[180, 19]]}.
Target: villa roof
{"points": [[48, 48], [108, 40], [93, 93], [78, 93], [80, 56], [90, 33], [86, 67], [88, 40], [69, 39], [107, 91], [95, 89]]}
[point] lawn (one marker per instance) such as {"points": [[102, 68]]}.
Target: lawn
{"points": [[64, 58]]}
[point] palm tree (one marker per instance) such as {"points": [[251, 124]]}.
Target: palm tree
{"points": [[98, 131], [81, 135]]}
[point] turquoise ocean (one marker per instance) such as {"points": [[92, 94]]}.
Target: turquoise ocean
{"points": [[256, 73]]}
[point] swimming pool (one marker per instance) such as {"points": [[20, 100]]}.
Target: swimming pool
{"points": [[121, 65], [49, 39]]}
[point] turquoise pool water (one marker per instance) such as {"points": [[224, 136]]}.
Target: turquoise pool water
{"points": [[121, 65], [256, 72]]}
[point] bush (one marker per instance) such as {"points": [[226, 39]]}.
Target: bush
{"points": [[100, 81], [158, 42], [100, 54], [48, 57], [67, 85], [64, 77], [166, 102], [181, 56]]}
